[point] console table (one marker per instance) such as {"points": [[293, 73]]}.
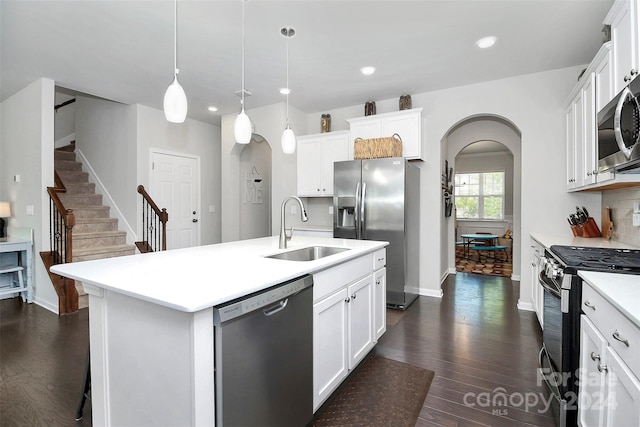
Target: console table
{"points": [[20, 247]]}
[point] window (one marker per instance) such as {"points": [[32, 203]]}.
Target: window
{"points": [[479, 195]]}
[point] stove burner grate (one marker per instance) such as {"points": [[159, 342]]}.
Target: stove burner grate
{"points": [[599, 259]]}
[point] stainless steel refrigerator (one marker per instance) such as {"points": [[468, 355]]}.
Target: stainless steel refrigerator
{"points": [[379, 199]]}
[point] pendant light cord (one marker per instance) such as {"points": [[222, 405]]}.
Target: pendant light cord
{"points": [[175, 38], [288, 88], [243, 1]]}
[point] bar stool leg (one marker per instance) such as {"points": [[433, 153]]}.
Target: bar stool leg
{"points": [[86, 388]]}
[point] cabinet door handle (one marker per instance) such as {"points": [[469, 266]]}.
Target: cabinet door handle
{"points": [[602, 368], [616, 335], [377, 282], [347, 299], [590, 305], [595, 356], [353, 296]]}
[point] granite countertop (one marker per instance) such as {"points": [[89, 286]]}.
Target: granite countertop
{"points": [[621, 290], [547, 240], [196, 278]]}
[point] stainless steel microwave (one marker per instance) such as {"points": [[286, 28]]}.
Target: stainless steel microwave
{"points": [[619, 131]]}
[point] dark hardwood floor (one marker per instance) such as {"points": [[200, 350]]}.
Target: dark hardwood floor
{"points": [[482, 349]]}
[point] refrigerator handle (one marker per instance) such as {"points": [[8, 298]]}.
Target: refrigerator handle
{"points": [[356, 213], [362, 204]]}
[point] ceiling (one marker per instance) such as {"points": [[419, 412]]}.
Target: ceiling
{"points": [[123, 50]]}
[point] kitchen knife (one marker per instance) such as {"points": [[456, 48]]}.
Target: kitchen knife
{"points": [[586, 212]]}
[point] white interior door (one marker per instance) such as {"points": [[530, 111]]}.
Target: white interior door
{"points": [[175, 185]]}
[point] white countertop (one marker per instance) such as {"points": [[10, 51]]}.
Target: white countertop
{"points": [[621, 290], [547, 240], [196, 278]]}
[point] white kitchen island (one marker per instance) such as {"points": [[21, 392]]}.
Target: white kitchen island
{"points": [[151, 319]]}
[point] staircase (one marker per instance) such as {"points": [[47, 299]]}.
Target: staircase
{"points": [[95, 234]]}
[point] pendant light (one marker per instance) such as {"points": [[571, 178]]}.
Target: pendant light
{"points": [[288, 136], [242, 128], [175, 100]]}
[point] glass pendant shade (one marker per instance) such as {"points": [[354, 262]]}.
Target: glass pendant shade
{"points": [[242, 128], [288, 141], [175, 102]]}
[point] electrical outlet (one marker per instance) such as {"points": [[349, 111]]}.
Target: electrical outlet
{"points": [[636, 214], [330, 210], [294, 209], [212, 209]]}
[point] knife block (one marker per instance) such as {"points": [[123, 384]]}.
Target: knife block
{"points": [[588, 229]]}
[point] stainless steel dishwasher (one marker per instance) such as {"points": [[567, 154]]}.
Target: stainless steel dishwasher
{"points": [[264, 357]]}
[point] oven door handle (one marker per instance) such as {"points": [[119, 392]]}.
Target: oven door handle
{"points": [[552, 289]]}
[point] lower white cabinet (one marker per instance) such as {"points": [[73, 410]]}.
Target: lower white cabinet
{"points": [[591, 391], [346, 322], [537, 292], [609, 390]]}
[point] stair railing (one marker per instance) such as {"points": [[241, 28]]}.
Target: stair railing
{"points": [[62, 221], [154, 225]]}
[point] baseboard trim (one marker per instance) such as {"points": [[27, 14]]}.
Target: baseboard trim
{"points": [[527, 306]]}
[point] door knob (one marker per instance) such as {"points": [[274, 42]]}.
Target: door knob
{"points": [[194, 220]]}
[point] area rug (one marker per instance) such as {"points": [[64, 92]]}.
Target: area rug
{"points": [[380, 392], [488, 265]]}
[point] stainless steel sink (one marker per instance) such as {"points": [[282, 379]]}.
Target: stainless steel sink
{"points": [[308, 254]]}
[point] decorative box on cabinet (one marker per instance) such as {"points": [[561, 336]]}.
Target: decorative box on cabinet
{"points": [[316, 155], [406, 123]]}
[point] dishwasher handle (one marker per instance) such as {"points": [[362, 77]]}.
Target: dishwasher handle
{"points": [[279, 306]]}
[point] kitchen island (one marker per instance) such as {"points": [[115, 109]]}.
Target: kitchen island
{"points": [[151, 320]]}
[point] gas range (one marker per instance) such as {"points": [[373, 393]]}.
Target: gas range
{"points": [[626, 261]]}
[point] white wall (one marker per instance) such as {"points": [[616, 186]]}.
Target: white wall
{"points": [[255, 198], [26, 148], [191, 137], [106, 136], [269, 122]]}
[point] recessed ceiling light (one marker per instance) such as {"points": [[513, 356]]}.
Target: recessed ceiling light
{"points": [[367, 71], [285, 90], [486, 42], [212, 109]]}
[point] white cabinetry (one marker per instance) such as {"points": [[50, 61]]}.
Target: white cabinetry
{"points": [[343, 322], [623, 18], [581, 122], [609, 393], [316, 155], [537, 292], [379, 294], [406, 123]]}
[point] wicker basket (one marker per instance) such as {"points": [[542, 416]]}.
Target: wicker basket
{"points": [[376, 148]]}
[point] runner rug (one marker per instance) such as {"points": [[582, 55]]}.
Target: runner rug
{"points": [[380, 392]]}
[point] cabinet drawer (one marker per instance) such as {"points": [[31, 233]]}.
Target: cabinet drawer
{"points": [[328, 281], [379, 259], [623, 336]]}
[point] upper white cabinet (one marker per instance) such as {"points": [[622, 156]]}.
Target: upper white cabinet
{"points": [[316, 155], [406, 123], [623, 18], [594, 90]]}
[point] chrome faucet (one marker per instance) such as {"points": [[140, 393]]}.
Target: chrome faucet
{"points": [[303, 216]]}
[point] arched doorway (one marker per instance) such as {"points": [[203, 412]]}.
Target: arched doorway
{"points": [[496, 130], [255, 189], [483, 199]]}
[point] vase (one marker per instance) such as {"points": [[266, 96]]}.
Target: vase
{"points": [[369, 108], [325, 123]]}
